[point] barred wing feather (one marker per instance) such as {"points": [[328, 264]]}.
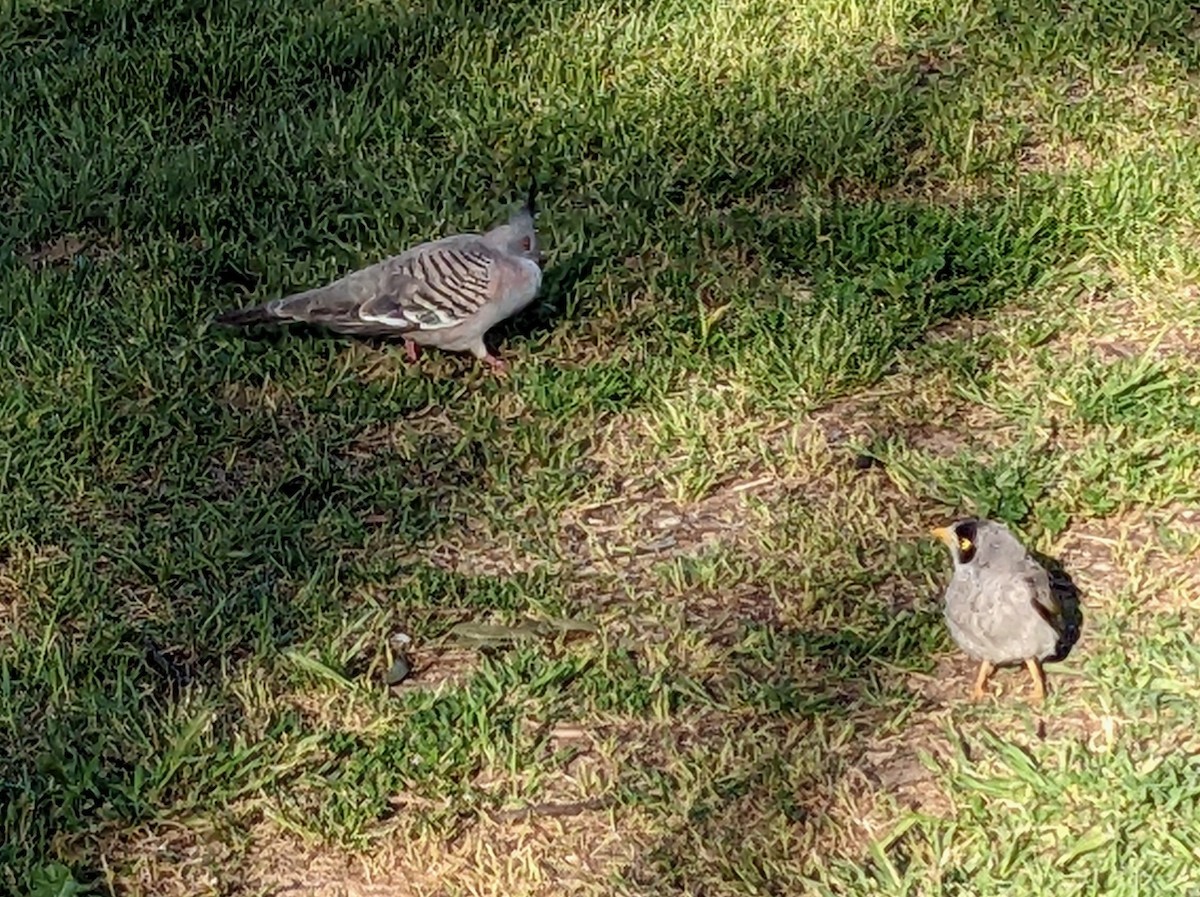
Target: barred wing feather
{"points": [[433, 287]]}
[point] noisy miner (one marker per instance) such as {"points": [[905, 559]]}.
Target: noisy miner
{"points": [[1000, 605], [446, 293]]}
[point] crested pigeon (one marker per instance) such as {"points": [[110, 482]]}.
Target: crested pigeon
{"points": [[446, 293]]}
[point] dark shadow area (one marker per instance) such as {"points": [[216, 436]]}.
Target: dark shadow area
{"points": [[200, 546], [561, 282]]}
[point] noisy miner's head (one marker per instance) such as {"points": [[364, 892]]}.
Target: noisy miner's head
{"points": [[977, 542]]}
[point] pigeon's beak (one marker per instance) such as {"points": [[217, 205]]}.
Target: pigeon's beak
{"points": [[942, 533]]}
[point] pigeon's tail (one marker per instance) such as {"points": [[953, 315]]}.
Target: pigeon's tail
{"points": [[244, 317], [335, 306]]}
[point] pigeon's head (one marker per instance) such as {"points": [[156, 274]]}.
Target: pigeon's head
{"points": [[519, 235], [979, 542], [522, 235]]}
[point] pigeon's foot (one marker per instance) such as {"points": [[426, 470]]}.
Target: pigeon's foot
{"points": [[411, 351], [498, 366]]}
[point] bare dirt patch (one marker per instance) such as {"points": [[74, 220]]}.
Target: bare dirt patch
{"points": [[891, 773], [1132, 325], [1149, 553], [908, 413], [437, 665]]}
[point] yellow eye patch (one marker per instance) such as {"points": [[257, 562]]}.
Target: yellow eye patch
{"points": [[965, 544]]}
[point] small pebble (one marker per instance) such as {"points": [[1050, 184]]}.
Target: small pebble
{"points": [[399, 671]]}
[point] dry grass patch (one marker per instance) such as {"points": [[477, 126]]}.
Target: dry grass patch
{"points": [[268, 396], [923, 412], [23, 586], [637, 530], [382, 362], [1145, 555], [1134, 323], [544, 855], [1056, 157], [480, 548]]}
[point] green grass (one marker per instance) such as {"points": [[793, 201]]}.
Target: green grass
{"points": [[780, 235]]}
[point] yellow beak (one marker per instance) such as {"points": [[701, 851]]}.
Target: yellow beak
{"points": [[942, 533]]}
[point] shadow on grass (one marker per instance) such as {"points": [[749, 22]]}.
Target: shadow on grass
{"points": [[867, 209], [198, 556], [1070, 600], [814, 729]]}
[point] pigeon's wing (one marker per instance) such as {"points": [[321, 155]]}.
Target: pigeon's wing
{"points": [[430, 287], [433, 286]]}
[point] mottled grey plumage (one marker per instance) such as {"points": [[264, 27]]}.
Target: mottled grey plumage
{"points": [[1000, 606], [446, 293]]}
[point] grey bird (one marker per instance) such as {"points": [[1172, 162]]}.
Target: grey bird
{"points": [[1000, 605], [446, 293]]}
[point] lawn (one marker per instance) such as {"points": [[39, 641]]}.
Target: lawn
{"points": [[819, 275]]}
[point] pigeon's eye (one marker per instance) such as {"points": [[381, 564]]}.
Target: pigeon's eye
{"points": [[526, 244], [964, 545]]}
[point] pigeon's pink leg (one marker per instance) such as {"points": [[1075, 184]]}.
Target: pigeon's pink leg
{"points": [[411, 351], [499, 368]]}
